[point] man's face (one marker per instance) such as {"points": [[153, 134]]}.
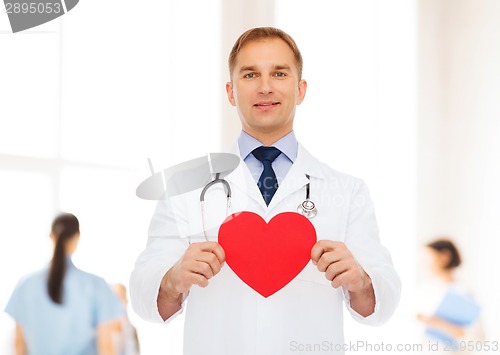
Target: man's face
{"points": [[265, 87]]}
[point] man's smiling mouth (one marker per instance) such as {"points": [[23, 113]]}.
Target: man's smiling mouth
{"points": [[266, 105]]}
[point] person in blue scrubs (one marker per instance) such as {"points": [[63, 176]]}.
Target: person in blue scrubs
{"points": [[62, 310]]}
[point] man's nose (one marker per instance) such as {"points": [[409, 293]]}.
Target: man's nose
{"points": [[265, 85]]}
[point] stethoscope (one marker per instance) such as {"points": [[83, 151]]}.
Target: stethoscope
{"points": [[227, 189], [307, 208]]}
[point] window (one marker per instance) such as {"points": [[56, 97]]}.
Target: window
{"points": [[86, 99]]}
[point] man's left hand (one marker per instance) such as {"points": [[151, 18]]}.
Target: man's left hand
{"points": [[341, 268]]}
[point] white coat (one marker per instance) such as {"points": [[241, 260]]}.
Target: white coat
{"points": [[228, 317]]}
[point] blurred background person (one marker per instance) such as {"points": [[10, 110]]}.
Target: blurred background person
{"points": [[449, 313], [62, 310], [125, 335]]}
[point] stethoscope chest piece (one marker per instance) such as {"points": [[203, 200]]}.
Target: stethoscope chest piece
{"points": [[307, 209]]}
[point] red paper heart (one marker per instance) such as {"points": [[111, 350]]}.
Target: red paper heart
{"points": [[267, 256]]}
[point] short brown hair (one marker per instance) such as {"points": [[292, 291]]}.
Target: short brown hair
{"points": [[260, 33]]}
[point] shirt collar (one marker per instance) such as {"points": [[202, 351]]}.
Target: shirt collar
{"points": [[288, 145]]}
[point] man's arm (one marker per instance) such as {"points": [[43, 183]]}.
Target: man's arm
{"points": [[362, 240], [169, 301], [364, 301], [361, 264], [166, 244]]}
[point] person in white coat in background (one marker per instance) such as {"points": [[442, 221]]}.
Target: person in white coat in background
{"points": [[348, 263]]}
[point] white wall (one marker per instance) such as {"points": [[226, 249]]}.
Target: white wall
{"points": [[458, 131], [114, 84]]}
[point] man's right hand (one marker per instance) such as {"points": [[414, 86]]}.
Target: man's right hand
{"points": [[200, 262]]}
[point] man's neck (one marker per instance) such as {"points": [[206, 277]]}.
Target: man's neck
{"points": [[268, 139]]}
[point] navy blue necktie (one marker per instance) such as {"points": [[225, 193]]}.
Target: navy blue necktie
{"points": [[268, 184]]}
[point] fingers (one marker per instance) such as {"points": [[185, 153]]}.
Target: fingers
{"points": [[196, 279], [339, 265], [206, 264], [208, 258], [200, 262], [336, 268], [348, 278], [326, 252], [214, 248], [319, 248]]}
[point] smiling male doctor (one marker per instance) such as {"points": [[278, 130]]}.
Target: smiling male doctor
{"points": [[348, 264]]}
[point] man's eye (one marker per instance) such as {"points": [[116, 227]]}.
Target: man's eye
{"points": [[249, 75], [280, 74]]}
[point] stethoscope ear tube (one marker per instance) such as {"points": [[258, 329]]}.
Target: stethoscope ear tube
{"points": [[217, 179]]}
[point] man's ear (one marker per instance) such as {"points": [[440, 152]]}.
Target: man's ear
{"points": [[230, 93], [302, 91]]}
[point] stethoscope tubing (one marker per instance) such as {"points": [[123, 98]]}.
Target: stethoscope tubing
{"points": [[307, 208]]}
